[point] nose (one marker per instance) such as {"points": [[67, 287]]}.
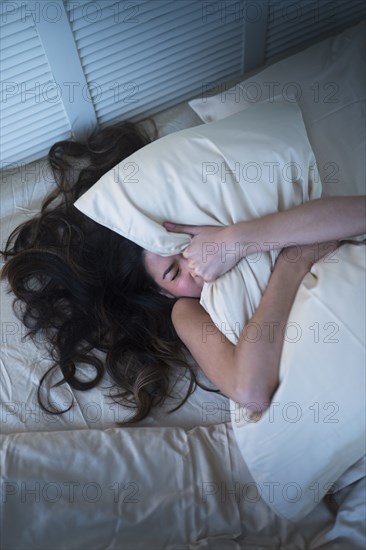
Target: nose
{"points": [[185, 267]]}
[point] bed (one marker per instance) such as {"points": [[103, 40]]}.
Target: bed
{"points": [[175, 480]]}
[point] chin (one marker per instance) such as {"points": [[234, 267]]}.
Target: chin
{"points": [[195, 293]]}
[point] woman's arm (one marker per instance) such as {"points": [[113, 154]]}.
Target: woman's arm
{"points": [[315, 221], [247, 372], [215, 250]]}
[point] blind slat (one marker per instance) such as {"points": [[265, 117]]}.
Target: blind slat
{"points": [[303, 23]]}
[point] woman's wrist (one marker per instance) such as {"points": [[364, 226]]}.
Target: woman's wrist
{"points": [[302, 258], [240, 238], [252, 235], [292, 261]]}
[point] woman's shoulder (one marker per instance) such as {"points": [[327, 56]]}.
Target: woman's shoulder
{"points": [[188, 311], [184, 306]]}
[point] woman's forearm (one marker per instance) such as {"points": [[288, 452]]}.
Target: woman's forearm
{"points": [[258, 352], [315, 221]]}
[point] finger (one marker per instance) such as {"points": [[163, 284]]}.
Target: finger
{"points": [[194, 271], [179, 228]]}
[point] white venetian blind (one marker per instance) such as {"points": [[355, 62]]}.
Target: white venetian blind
{"points": [[32, 116], [68, 65], [148, 55], [96, 62], [298, 24]]}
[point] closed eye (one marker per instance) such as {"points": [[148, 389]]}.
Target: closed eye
{"points": [[168, 270]]}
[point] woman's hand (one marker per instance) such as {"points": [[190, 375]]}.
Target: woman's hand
{"points": [[212, 251]]}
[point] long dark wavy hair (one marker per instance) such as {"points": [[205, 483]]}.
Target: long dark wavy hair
{"points": [[85, 288]]}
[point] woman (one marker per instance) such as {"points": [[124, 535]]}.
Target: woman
{"points": [[87, 288]]}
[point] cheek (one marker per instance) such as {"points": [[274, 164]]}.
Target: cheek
{"points": [[187, 286]]}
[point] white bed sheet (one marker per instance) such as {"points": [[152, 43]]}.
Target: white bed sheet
{"points": [[105, 489]]}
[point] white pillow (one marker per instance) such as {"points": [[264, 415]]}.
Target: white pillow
{"points": [[332, 103], [299, 78], [198, 175]]}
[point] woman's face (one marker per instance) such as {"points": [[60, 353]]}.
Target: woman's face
{"points": [[172, 275]]}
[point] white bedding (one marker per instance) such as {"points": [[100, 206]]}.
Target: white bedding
{"points": [[243, 166], [196, 444]]}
